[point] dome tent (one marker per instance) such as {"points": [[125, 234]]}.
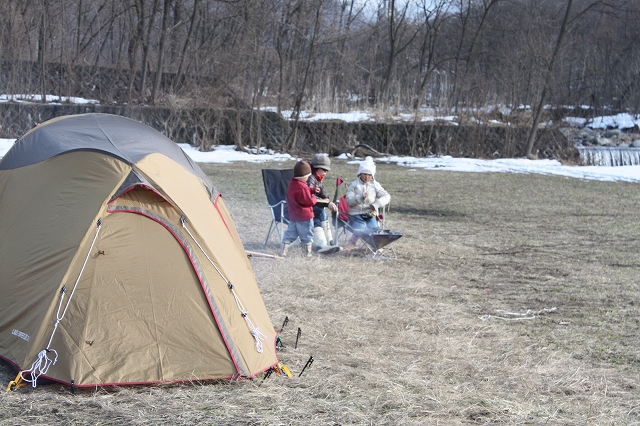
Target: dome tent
{"points": [[120, 262]]}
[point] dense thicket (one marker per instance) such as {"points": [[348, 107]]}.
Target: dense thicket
{"points": [[464, 56]]}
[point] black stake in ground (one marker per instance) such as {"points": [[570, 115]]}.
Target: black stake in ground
{"points": [[308, 364], [266, 375], [297, 337], [286, 321]]}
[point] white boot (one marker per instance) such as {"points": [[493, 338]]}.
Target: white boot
{"points": [[327, 233], [330, 247], [285, 249], [319, 240]]}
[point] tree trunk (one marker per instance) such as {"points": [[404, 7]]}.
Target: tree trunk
{"points": [[163, 39], [42, 44], [132, 48], [186, 43], [547, 81], [298, 104], [145, 44]]}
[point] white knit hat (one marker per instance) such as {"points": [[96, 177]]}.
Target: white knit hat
{"points": [[367, 166]]}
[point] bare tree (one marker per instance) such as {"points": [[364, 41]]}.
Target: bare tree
{"points": [[163, 37], [297, 106], [396, 25], [434, 14], [42, 47], [146, 42], [548, 72], [187, 41]]}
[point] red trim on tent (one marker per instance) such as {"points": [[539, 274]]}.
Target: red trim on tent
{"points": [[215, 204], [13, 364], [92, 385], [194, 269]]}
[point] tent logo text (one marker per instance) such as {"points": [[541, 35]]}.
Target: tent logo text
{"points": [[20, 334]]}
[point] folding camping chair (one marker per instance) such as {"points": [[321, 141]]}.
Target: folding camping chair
{"points": [[379, 242], [275, 187], [340, 221]]}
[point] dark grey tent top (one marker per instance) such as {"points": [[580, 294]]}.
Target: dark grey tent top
{"points": [[120, 137]]}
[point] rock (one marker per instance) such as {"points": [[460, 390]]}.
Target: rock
{"points": [[587, 133], [603, 141], [635, 144], [612, 133], [624, 140]]}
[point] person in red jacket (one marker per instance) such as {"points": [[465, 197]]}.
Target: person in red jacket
{"points": [[300, 205]]}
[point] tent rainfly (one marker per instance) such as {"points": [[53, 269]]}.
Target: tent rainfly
{"points": [[119, 262]]}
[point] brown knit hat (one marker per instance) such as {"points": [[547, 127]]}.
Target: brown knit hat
{"points": [[301, 169]]}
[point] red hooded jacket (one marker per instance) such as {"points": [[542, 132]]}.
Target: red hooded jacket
{"points": [[300, 201]]}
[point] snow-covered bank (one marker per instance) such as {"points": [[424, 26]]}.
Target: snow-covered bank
{"points": [[227, 154], [520, 165]]}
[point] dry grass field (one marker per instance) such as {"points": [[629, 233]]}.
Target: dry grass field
{"points": [[420, 340]]}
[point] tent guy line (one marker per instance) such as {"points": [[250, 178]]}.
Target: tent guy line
{"points": [[255, 331], [42, 364]]}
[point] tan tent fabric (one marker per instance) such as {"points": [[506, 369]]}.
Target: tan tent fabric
{"points": [[157, 281], [45, 211]]}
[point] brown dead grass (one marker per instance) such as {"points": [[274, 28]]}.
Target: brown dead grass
{"points": [[403, 342]]}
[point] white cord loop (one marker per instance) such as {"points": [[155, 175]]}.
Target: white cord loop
{"points": [[255, 331], [41, 365]]}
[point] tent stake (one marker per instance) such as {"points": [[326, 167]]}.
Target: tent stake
{"points": [[308, 364], [297, 337], [286, 321], [266, 375]]}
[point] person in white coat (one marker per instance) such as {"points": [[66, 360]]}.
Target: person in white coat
{"points": [[365, 197]]}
